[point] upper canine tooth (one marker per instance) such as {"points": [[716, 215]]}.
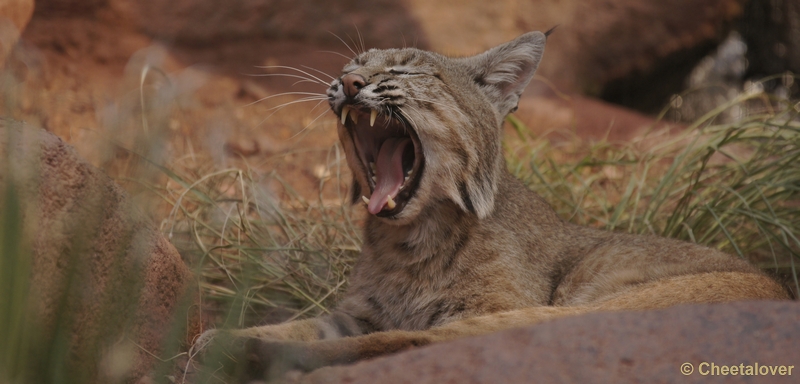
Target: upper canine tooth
{"points": [[390, 203], [365, 199], [372, 116], [345, 111], [354, 117]]}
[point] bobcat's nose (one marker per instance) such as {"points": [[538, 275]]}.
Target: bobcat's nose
{"points": [[352, 84]]}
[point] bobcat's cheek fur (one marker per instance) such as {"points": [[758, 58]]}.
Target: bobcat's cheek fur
{"points": [[393, 96]]}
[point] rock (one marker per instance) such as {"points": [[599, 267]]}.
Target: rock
{"points": [[623, 347], [628, 51], [105, 284], [220, 22], [17, 11], [14, 16], [50, 8], [589, 119], [771, 30]]}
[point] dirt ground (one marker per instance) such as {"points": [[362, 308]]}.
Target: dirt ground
{"points": [[80, 79]]}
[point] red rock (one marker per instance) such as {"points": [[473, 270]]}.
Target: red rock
{"points": [[623, 347]]}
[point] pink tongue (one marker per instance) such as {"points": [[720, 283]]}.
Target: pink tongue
{"points": [[389, 172]]}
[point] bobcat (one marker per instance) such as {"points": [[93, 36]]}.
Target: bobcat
{"points": [[454, 245]]}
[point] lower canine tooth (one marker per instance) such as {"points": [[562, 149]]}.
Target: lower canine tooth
{"points": [[345, 111], [390, 204], [372, 116], [366, 199]]}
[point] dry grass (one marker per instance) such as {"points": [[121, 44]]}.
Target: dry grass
{"points": [[259, 255], [731, 186]]}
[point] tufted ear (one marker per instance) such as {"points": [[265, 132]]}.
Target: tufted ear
{"points": [[504, 71]]}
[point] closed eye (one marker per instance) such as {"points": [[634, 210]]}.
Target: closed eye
{"points": [[407, 72]]}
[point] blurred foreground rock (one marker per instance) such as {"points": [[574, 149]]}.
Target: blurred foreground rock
{"points": [[102, 275], [625, 347]]}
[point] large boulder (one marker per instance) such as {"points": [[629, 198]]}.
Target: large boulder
{"points": [[772, 32], [674, 345], [621, 49], [105, 285], [222, 21], [596, 42]]}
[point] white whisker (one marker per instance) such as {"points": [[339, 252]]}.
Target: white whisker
{"points": [[360, 39], [354, 43], [294, 69], [302, 100], [318, 71], [276, 109], [306, 128], [317, 105], [408, 116], [343, 42], [323, 113], [284, 75], [337, 53], [304, 81], [287, 94]]}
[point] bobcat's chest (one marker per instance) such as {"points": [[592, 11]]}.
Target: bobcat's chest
{"points": [[412, 277], [410, 305]]}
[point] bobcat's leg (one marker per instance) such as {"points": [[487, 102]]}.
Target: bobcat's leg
{"points": [[332, 326], [712, 287], [268, 359], [275, 357]]}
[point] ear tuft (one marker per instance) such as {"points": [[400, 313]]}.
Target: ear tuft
{"points": [[504, 71]]}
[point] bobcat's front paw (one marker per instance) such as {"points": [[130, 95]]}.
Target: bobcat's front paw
{"points": [[215, 342], [246, 358], [270, 360], [203, 341], [218, 353]]}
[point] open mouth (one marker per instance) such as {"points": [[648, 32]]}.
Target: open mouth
{"points": [[390, 154]]}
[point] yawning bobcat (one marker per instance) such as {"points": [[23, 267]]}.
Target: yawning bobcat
{"points": [[453, 244]]}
